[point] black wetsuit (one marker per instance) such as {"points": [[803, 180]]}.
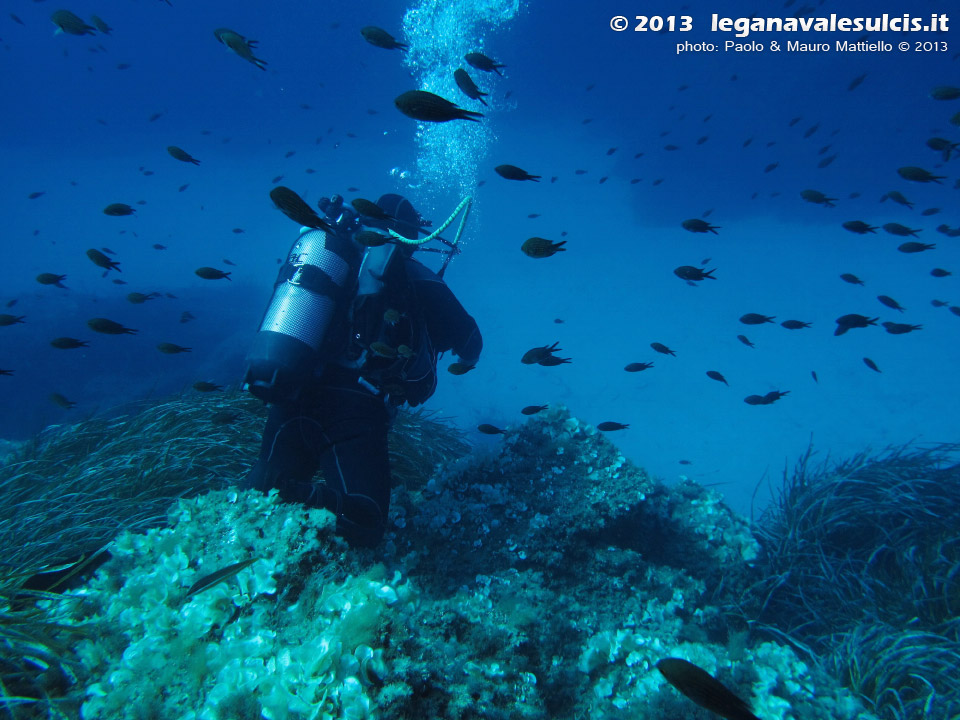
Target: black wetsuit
{"points": [[339, 423]]}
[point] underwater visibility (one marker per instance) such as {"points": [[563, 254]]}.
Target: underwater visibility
{"points": [[479, 359]]}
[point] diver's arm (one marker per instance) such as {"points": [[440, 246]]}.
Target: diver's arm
{"points": [[451, 326]]}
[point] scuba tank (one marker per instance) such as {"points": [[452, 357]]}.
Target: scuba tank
{"points": [[319, 277]]}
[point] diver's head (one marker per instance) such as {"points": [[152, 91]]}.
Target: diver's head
{"points": [[405, 220]]}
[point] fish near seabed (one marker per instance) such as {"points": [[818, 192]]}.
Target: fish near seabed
{"points": [[704, 689], [240, 45], [70, 24]]}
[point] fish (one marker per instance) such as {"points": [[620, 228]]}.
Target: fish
{"points": [[940, 272], [769, 398], [171, 348], [900, 328], [696, 225], [6, 372], [101, 260], [240, 45], [109, 327], [488, 429], [68, 343], [859, 227], [215, 578], [369, 238], [794, 324], [512, 172], [915, 247], [383, 350], [182, 155], [427, 107], [898, 198], [70, 24], [918, 174], [101, 26], [851, 278], [204, 386], [369, 209], [704, 689], [296, 208], [378, 37], [17, 20], [930, 211], [817, 198], [693, 274], [939, 303], [714, 375], [209, 273], [538, 247], [943, 146], [756, 319], [855, 83], [745, 340], [158, 246], [238, 231], [224, 417], [459, 368], [58, 399], [533, 409], [52, 279], [638, 366], [889, 302], [813, 374], [537, 354], [610, 426], [945, 92], [552, 361], [481, 62], [139, 298], [35, 195], [853, 320], [466, 84], [186, 316], [6, 319], [871, 364], [118, 210], [662, 349]]}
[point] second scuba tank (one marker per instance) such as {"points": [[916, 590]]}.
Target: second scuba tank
{"points": [[320, 273]]}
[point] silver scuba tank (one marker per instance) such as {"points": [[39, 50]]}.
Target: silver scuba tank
{"points": [[320, 273]]}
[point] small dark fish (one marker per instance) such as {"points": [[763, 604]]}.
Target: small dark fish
{"points": [[813, 374], [512, 172], [890, 302], [204, 386], [466, 84], [101, 25], [900, 328], [756, 319], [378, 37], [208, 581], [714, 375], [369, 209], [224, 417], [118, 210], [693, 274], [794, 324], [848, 322], [826, 161], [769, 398], [35, 195], [289, 153], [369, 238], [181, 155], [580, 172], [900, 230], [945, 92], [851, 278], [118, 281], [552, 361], [186, 316], [209, 273], [696, 225], [610, 426], [296, 208], [228, 262], [109, 327], [611, 151], [183, 187], [533, 216], [6, 372], [871, 364], [535, 355], [137, 298], [811, 130], [537, 247], [240, 45], [671, 148], [638, 366], [482, 62], [52, 279], [685, 462], [662, 349], [915, 247], [704, 689], [459, 368], [101, 260], [17, 20], [954, 309], [171, 348], [6, 319], [533, 409], [930, 211], [277, 179], [488, 429], [427, 107], [69, 23], [859, 227], [940, 272], [855, 83], [745, 340], [939, 303], [771, 167], [67, 343], [158, 246], [238, 231], [918, 174], [156, 116], [58, 399]]}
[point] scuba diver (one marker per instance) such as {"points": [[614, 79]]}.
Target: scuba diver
{"points": [[351, 334]]}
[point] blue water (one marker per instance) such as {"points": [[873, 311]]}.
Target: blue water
{"points": [[80, 130]]}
